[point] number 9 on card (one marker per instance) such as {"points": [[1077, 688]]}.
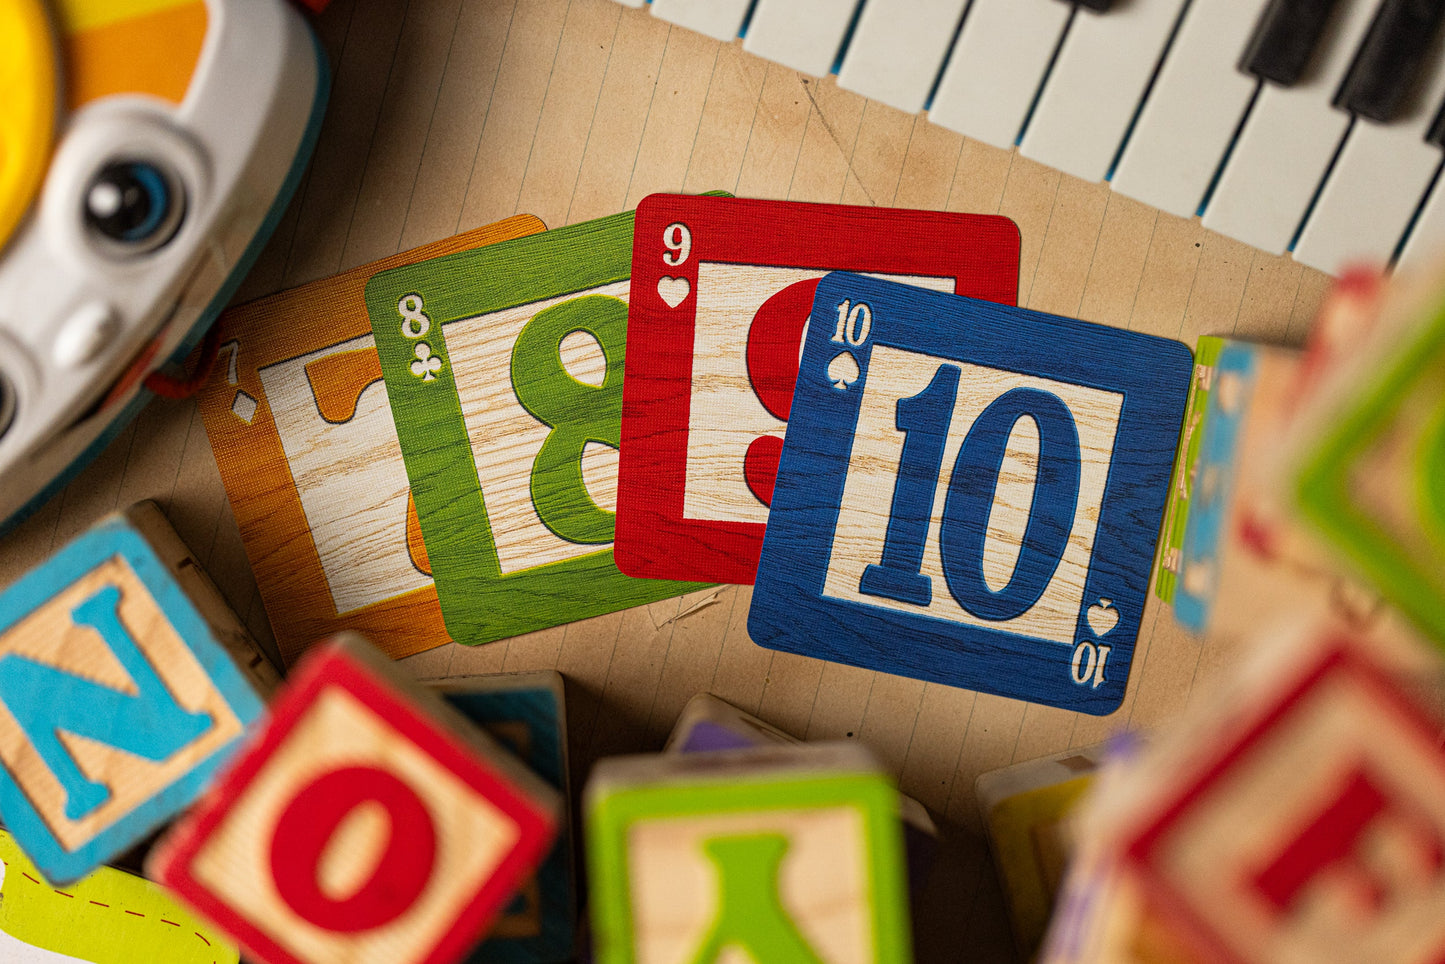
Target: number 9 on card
{"points": [[970, 493]]}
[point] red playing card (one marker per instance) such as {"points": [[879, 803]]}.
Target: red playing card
{"points": [[721, 292]]}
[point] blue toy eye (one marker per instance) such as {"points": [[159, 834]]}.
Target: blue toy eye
{"points": [[133, 206]]}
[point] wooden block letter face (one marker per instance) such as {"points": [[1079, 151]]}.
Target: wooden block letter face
{"points": [[355, 832], [703, 873], [504, 369], [1322, 827], [982, 481], [116, 703], [298, 417], [1376, 484], [722, 290]]}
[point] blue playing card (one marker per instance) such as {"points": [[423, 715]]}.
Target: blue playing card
{"points": [[970, 493]]}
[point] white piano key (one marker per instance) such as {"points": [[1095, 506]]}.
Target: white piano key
{"points": [[1099, 77], [898, 49], [719, 19], [1193, 110], [1426, 244], [1002, 53], [1375, 187], [1286, 144], [802, 34]]}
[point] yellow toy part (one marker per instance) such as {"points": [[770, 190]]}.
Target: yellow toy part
{"points": [[29, 76], [110, 917]]}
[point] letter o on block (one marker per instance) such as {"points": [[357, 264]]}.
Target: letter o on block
{"points": [[358, 828]]}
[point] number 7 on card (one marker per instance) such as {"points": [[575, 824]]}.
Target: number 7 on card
{"points": [[721, 291]]}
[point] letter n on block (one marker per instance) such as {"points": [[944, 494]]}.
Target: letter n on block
{"points": [[369, 823], [118, 698], [772, 854], [1316, 825]]}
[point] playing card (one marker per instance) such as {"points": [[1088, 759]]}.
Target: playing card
{"points": [[299, 423], [722, 288], [970, 493], [504, 368]]}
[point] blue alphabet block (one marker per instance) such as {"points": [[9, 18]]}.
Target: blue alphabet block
{"points": [[125, 682], [526, 713], [970, 493]]}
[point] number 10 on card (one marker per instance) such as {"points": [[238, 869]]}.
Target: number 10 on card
{"points": [[972, 495]]}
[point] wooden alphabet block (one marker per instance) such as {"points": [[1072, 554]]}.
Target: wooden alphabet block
{"points": [[781, 853], [1024, 809], [504, 368], [368, 823], [526, 714], [707, 723], [1247, 556], [970, 493], [302, 432], [125, 683], [1307, 815], [1374, 482], [110, 917]]}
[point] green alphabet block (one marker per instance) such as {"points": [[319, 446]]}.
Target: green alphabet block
{"points": [[1375, 482], [785, 855]]}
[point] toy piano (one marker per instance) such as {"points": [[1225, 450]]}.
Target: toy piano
{"points": [[147, 149]]}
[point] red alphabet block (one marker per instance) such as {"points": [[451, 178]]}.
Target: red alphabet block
{"points": [[1311, 821], [368, 824]]}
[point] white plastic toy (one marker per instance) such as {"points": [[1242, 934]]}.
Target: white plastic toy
{"points": [[147, 149]]}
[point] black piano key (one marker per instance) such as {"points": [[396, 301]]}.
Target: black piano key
{"points": [[1387, 67], [1285, 39], [1436, 134]]}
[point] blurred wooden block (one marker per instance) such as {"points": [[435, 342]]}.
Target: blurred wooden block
{"points": [[784, 853], [526, 713], [126, 683], [111, 917], [1375, 480], [369, 823], [1301, 816], [1024, 809], [707, 723]]}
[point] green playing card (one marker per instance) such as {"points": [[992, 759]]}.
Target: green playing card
{"points": [[503, 367]]}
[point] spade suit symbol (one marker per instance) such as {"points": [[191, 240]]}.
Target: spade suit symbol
{"points": [[843, 370]]}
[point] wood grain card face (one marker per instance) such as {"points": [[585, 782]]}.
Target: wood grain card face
{"points": [[297, 415], [111, 917], [970, 493], [722, 289], [1321, 822], [356, 830], [1376, 481], [800, 869], [117, 705], [504, 368]]}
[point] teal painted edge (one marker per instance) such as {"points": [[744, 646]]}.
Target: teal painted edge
{"points": [[478, 603], [611, 817], [115, 538], [1326, 498]]}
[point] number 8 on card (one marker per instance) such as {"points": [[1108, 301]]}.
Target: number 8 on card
{"points": [[970, 493]]}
